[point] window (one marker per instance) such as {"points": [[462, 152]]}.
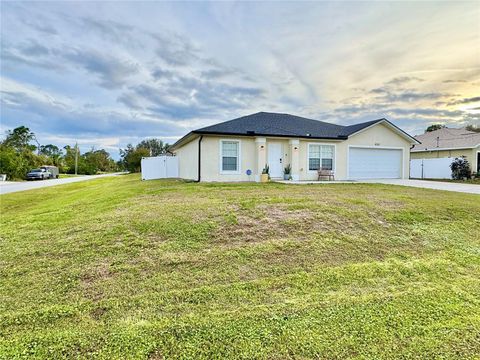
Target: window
{"points": [[230, 156], [320, 156]]}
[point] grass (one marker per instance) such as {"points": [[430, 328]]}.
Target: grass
{"points": [[64, 176], [118, 268]]}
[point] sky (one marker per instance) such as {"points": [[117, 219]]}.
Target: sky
{"points": [[105, 74]]}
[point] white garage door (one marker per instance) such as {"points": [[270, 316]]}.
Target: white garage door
{"points": [[366, 163]]}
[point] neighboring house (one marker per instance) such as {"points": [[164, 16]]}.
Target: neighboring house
{"points": [[449, 143], [231, 150]]}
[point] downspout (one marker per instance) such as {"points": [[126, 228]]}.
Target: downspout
{"points": [[199, 157]]}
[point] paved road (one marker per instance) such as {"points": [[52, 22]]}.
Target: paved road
{"points": [[437, 185], [10, 187]]}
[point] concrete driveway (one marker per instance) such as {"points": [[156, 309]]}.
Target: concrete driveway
{"points": [[11, 187], [437, 185]]}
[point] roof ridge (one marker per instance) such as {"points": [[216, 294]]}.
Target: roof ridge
{"points": [[300, 117], [366, 122]]}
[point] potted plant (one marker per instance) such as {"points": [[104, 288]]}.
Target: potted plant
{"points": [[287, 172], [265, 174]]}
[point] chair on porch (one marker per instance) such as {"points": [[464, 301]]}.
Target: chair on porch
{"points": [[325, 173]]}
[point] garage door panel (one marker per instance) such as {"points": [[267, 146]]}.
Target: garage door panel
{"points": [[368, 163]]}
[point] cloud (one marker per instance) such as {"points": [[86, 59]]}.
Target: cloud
{"points": [[110, 30], [401, 80], [453, 81], [465, 101], [35, 49], [32, 55], [175, 50], [40, 25], [184, 97], [159, 74], [122, 72], [112, 72], [57, 115], [387, 94]]}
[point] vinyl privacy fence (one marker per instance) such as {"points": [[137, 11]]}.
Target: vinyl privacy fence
{"points": [[431, 168], [159, 167]]}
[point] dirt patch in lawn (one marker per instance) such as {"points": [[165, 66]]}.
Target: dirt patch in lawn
{"points": [[268, 222], [92, 278]]}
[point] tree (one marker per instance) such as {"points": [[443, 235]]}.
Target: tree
{"points": [[20, 138], [50, 150], [16, 153], [473, 128], [132, 157], [17, 156], [69, 159], [100, 159], [13, 163], [53, 153], [460, 168], [156, 147], [434, 127]]}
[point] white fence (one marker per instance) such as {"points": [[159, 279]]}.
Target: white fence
{"points": [[431, 168], [159, 167]]}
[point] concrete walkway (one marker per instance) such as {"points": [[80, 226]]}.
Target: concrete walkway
{"points": [[11, 186], [436, 185]]}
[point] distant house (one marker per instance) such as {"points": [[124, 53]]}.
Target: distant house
{"points": [[449, 143], [239, 149]]}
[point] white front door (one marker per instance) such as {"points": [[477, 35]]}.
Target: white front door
{"points": [[275, 160]]}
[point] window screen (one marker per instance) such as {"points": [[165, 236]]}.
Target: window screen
{"points": [[320, 156], [229, 156]]}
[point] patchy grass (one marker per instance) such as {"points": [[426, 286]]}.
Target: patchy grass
{"points": [[119, 268]]}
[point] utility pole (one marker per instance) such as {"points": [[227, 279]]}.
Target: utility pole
{"points": [[76, 158]]}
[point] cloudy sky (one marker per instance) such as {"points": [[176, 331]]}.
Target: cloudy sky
{"points": [[106, 74]]}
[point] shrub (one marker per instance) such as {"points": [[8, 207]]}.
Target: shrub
{"points": [[460, 168]]}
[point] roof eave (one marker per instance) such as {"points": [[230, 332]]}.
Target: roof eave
{"points": [[183, 140], [341, 138], [447, 148]]}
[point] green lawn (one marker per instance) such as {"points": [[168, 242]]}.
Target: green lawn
{"points": [[119, 268]]}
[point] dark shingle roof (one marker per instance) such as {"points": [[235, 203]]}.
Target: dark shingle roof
{"points": [[274, 124], [283, 125]]}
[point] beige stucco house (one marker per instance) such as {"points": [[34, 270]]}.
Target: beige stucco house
{"points": [[239, 149], [449, 143]]}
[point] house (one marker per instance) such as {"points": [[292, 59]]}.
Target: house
{"points": [[449, 143], [239, 149]]}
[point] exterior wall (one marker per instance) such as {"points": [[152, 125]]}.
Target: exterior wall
{"points": [[470, 154], [254, 155], [210, 168], [304, 173], [379, 136], [188, 160]]}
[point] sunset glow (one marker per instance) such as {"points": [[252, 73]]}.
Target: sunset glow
{"points": [[105, 74]]}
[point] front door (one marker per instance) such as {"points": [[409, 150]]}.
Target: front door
{"points": [[275, 160]]}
